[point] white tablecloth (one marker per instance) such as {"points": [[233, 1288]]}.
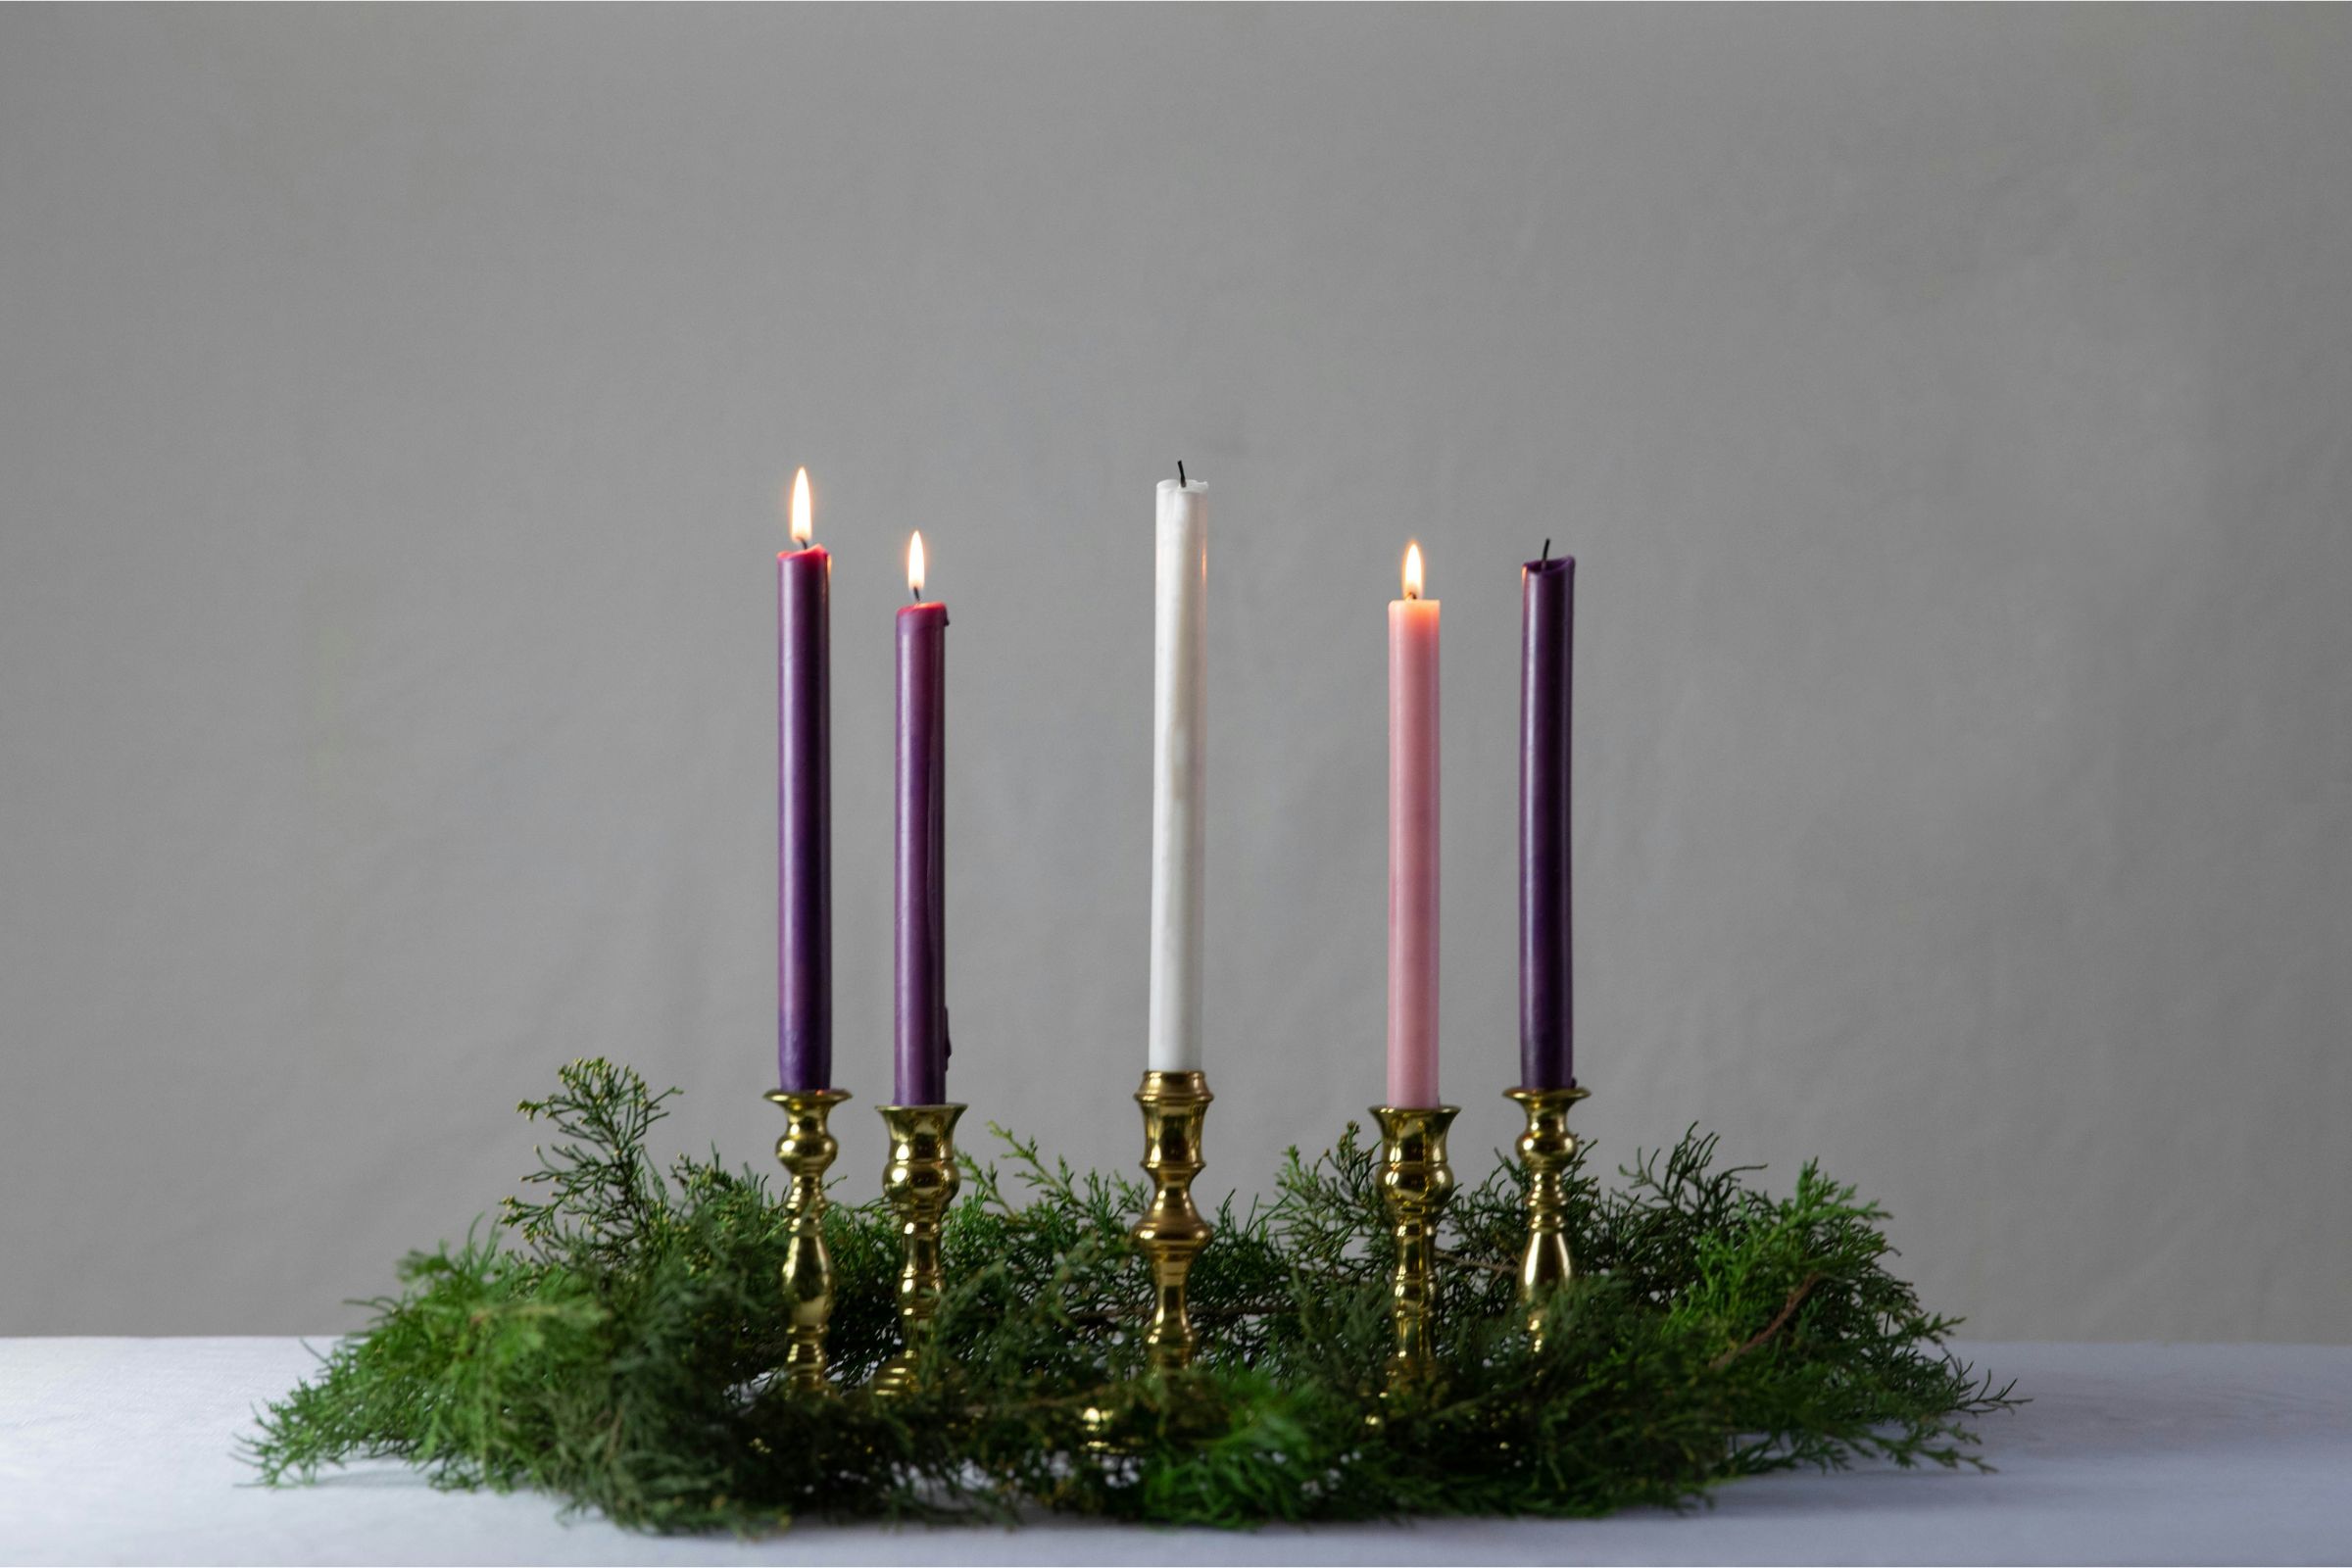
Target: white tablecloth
{"points": [[119, 1450]]}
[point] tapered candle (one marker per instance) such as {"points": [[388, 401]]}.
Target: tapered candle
{"points": [[1547, 983], [1179, 772], [920, 904], [1413, 843], [804, 807]]}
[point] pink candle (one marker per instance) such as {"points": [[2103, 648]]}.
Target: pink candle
{"points": [[1413, 843]]}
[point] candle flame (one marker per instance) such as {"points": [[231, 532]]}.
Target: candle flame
{"points": [[914, 564], [1412, 571], [801, 534]]}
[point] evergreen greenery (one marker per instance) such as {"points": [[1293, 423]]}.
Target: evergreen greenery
{"points": [[617, 1350]]}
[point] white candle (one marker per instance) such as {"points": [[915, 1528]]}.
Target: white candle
{"points": [[1179, 774]]}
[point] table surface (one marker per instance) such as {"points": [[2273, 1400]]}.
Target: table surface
{"points": [[116, 1450]]}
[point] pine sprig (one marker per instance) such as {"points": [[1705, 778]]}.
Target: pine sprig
{"points": [[618, 1353]]}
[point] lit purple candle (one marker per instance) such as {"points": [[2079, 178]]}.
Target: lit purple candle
{"points": [[920, 913], [804, 807], [1546, 996]]}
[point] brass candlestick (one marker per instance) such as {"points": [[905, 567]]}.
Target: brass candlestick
{"points": [[918, 1184], [1171, 1232], [806, 1150], [1547, 1147], [1415, 1183]]}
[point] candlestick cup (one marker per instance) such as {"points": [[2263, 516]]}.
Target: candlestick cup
{"points": [[1547, 1147], [806, 1150], [1172, 1232], [1416, 1182], [920, 1184]]}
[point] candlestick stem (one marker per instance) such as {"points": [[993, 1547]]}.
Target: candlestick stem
{"points": [[1416, 1183], [806, 1150], [1172, 1232], [1547, 1147], [920, 1184]]}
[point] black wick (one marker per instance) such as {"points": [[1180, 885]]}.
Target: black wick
{"points": [[1179, 473], [1546, 560]]}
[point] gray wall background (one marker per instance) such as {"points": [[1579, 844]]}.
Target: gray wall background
{"points": [[1949, 410]]}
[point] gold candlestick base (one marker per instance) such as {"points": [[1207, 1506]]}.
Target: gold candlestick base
{"points": [[1172, 1232], [806, 1150], [920, 1184], [1416, 1184], [1547, 1147]]}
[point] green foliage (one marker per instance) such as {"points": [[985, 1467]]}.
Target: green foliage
{"points": [[619, 1353]]}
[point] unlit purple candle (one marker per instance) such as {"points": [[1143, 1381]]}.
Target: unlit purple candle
{"points": [[804, 807], [1546, 993], [919, 905]]}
